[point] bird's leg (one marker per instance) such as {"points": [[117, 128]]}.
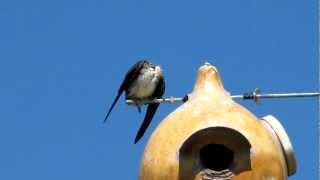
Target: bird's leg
{"points": [[139, 109], [138, 103]]}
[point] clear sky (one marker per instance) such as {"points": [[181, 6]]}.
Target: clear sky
{"points": [[62, 61]]}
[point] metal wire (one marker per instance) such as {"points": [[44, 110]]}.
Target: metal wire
{"points": [[255, 96], [170, 100]]}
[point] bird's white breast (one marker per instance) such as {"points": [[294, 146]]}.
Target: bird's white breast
{"points": [[144, 85]]}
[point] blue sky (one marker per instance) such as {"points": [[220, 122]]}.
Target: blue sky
{"points": [[61, 63]]}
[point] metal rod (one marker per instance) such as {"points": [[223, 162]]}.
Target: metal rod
{"points": [[154, 101], [288, 95], [255, 95]]}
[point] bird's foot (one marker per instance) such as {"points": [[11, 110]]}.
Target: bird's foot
{"points": [[137, 102]]}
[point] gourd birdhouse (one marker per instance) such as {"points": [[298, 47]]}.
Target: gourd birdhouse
{"points": [[212, 137]]}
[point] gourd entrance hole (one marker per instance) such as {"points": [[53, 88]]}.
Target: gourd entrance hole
{"points": [[216, 157]]}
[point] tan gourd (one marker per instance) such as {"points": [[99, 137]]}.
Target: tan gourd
{"points": [[212, 137]]}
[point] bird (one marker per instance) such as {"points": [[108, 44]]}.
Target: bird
{"points": [[144, 81]]}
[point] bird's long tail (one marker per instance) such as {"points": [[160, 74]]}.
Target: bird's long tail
{"points": [[114, 103], [152, 108]]}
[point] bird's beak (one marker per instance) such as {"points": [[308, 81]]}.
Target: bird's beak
{"points": [[158, 70]]}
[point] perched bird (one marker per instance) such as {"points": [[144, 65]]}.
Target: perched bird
{"points": [[143, 81]]}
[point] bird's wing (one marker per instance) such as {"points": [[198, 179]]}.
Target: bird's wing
{"points": [[152, 108], [131, 75]]}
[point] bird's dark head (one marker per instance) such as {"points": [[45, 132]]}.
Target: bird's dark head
{"points": [[153, 68]]}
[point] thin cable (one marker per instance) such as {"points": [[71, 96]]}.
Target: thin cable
{"points": [[255, 95]]}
